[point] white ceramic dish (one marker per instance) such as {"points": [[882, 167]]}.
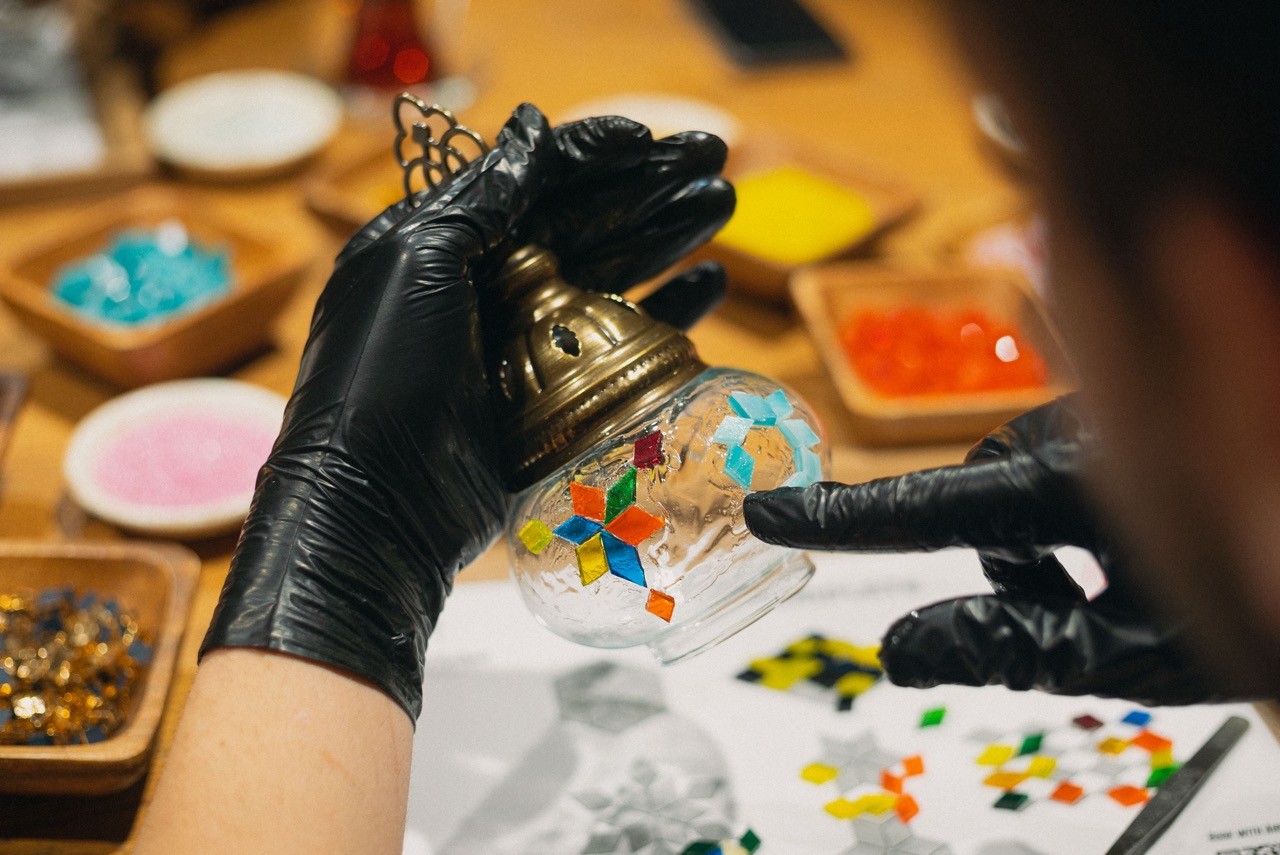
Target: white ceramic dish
{"points": [[114, 429], [240, 124]]}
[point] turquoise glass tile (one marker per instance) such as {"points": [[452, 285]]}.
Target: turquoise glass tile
{"points": [[732, 431], [797, 433], [740, 466], [752, 407]]}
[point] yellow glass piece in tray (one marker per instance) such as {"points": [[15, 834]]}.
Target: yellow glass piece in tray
{"points": [[791, 216]]}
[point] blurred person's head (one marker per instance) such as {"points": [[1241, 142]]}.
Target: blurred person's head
{"points": [[1153, 134]]}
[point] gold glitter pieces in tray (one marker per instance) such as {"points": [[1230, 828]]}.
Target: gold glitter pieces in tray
{"points": [[69, 667]]}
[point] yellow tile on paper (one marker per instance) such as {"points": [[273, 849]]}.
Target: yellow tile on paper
{"points": [[819, 773], [996, 755], [1041, 767]]}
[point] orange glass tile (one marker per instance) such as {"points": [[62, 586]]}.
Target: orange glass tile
{"points": [[634, 525], [1153, 742], [913, 765], [1130, 796], [1005, 780], [906, 808], [660, 604], [587, 501], [1067, 793], [890, 782]]}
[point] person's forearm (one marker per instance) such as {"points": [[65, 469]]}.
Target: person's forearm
{"points": [[278, 754]]}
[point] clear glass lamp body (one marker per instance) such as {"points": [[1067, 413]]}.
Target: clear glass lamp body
{"points": [[700, 564]]}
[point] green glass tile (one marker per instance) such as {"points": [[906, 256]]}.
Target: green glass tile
{"points": [[933, 717], [1159, 776], [700, 847], [749, 841], [1012, 801], [1031, 744], [622, 495]]}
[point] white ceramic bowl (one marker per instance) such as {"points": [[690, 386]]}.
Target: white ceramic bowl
{"points": [[115, 430], [242, 123]]}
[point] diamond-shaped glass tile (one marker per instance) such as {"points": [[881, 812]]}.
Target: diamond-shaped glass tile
{"points": [[1159, 776], [624, 561], [797, 433], [752, 407], [1137, 718], [1129, 795], [733, 430], [933, 717], [1152, 742], [995, 755], [634, 525], [1031, 744], [535, 536], [1067, 793], [577, 529], [779, 404], [1087, 722], [740, 466], [587, 501], [661, 604], [1012, 801], [592, 563], [622, 494], [648, 453]]}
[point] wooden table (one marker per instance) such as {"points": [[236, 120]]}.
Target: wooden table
{"points": [[902, 104]]}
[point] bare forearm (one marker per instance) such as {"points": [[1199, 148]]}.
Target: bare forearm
{"points": [[277, 754]]}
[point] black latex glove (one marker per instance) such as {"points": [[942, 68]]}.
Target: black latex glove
{"points": [[384, 482], [1017, 499]]}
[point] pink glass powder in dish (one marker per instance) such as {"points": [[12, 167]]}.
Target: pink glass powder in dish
{"points": [[183, 460]]}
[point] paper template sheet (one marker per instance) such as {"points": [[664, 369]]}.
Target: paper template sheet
{"points": [[494, 760]]}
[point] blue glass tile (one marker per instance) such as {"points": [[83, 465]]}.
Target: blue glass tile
{"points": [[577, 529], [779, 403], [798, 434], [740, 466], [140, 652], [1137, 718], [752, 407], [623, 559], [732, 431]]}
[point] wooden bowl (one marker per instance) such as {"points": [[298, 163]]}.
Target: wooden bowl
{"points": [[890, 198], [827, 295], [156, 581], [351, 190], [191, 344]]}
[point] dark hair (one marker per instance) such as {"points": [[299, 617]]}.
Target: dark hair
{"points": [[1134, 98]]}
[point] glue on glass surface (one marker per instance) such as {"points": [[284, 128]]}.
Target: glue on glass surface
{"points": [[671, 563]]}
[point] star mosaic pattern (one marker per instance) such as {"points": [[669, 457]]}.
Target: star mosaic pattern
{"points": [[655, 810], [774, 411], [819, 666], [872, 786], [607, 525], [1125, 762]]}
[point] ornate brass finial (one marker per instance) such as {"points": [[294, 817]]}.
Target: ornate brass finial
{"points": [[447, 148]]}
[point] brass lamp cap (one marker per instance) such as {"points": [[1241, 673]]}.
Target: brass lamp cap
{"points": [[573, 366]]}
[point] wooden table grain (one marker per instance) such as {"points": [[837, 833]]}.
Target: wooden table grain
{"points": [[902, 104]]}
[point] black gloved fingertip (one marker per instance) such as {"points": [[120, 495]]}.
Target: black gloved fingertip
{"points": [[763, 513]]}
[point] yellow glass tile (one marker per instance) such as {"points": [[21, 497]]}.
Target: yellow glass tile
{"points": [[535, 536], [843, 808], [996, 755], [592, 563], [1162, 759], [1112, 745], [819, 773], [791, 216], [1004, 780], [804, 647], [854, 684], [782, 674], [876, 804], [1041, 767]]}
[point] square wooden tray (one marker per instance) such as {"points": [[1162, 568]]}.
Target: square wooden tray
{"points": [[196, 343], [892, 200], [827, 295], [156, 582]]}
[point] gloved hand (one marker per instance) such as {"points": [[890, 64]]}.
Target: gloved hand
{"points": [[384, 482], [1016, 499]]}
